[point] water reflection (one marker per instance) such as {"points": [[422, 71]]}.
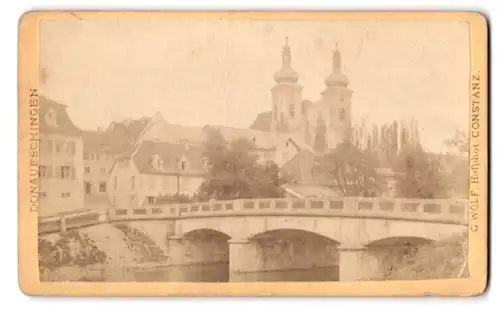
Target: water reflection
{"points": [[216, 272]]}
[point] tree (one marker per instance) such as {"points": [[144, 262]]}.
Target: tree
{"points": [[353, 171], [457, 175], [320, 136], [234, 171], [422, 175], [459, 142]]}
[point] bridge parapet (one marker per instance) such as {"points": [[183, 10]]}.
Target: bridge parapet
{"points": [[430, 210], [438, 210]]}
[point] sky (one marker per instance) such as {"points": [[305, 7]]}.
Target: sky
{"points": [[220, 72]]}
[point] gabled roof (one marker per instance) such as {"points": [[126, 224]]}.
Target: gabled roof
{"points": [[171, 155], [64, 126], [159, 130], [262, 122], [118, 138], [262, 140]]}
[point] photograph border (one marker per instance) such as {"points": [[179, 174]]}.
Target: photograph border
{"points": [[28, 86]]}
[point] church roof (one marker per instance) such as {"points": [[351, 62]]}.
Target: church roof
{"points": [[337, 77], [263, 140], [263, 121], [62, 123], [286, 74]]}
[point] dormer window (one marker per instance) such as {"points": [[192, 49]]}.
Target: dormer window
{"points": [[183, 164], [50, 118], [157, 162], [206, 165]]}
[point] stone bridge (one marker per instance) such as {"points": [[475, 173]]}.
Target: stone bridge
{"points": [[284, 239]]}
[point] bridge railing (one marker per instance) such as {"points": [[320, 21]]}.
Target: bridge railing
{"points": [[439, 210], [64, 222]]}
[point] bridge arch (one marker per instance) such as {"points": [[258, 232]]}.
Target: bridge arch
{"points": [[289, 255], [292, 233], [344, 230], [205, 233]]}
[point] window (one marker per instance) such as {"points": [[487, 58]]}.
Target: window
{"points": [[116, 182], [96, 156], [157, 162], [183, 164], [44, 171], [132, 198], [50, 118], [102, 187], [86, 156], [87, 170], [291, 110], [73, 172], [133, 182], [64, 172], [342, 114], [65, 195], [59, 146], [103, 170], [71, 147], [87, 187], [151, 200]]}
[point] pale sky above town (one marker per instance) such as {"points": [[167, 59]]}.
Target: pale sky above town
{"points": [[220, 72]]}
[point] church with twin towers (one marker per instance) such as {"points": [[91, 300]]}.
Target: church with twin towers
{"points": [[323, 124]]}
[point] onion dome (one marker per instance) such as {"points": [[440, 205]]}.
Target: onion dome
{"points": [[337, 77], [286, 74]]}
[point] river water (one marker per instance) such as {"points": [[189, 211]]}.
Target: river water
{"points": [[217, 272]]}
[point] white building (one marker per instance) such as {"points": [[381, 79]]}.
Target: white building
{"points": [[152, 170], [61, 161]]}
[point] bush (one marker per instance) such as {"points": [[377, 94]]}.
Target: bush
{"points": [[73, 249]]}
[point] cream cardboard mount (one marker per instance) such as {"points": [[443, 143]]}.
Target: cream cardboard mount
{"points": [[252, 153]]}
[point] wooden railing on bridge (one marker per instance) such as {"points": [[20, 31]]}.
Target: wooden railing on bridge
{"points": [[431, 210]]}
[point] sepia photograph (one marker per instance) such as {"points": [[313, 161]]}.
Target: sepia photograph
{"points": [[253, 150]]}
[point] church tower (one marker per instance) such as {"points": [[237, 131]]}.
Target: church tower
{"points": [[337, 98], [286, 96]]}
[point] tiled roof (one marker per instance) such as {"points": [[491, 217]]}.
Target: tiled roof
{"points": [[262, 122], [118, 138], [63, 124], [163, 132], [171, 155], [262, 140]]}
